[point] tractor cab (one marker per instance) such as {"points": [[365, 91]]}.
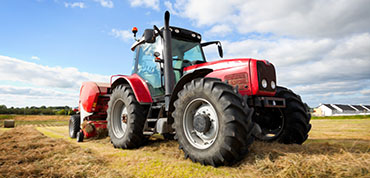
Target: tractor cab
{"points": [[148, 58]]}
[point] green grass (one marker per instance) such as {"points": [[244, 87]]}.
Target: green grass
{"points": [[49, 133], [6, 117], [343, 117], [43, 122]]}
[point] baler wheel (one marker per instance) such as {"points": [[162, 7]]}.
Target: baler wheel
{"points": [[213, 125], [74, 125], [80, 136], [125, 118]]}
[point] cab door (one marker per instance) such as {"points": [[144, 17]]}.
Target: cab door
{"points": [[148, 69]]}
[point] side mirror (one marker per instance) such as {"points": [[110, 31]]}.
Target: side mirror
{"points": [[220, 51], [149, 36], [219, 46]]}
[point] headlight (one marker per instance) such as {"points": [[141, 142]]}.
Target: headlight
{"points": [[264, 83], [273, 85]]}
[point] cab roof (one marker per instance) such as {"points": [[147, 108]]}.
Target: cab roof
{"points": [[177, 33]]}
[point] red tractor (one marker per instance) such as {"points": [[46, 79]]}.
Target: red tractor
{"points": [[214, 109]]}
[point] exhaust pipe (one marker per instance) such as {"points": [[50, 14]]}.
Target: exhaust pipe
{"points": [[169, 76]]}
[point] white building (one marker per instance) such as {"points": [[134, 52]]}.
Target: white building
{"points": [[341, 110]]}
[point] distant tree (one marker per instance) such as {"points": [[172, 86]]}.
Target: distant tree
{"points": [[71, 112], [61, 112], [33, 110], [3, 109]]}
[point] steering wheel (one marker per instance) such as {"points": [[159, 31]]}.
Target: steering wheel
{"points": [[197, 62]]}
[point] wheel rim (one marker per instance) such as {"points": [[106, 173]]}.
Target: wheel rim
{"points": [[119, 119], [272, 132], [200, 140]]}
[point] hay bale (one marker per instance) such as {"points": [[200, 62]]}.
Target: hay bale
{"points": [[89, 128], [9, 123]]}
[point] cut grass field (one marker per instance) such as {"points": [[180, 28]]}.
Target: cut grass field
{"points": [[36, 120], [342, 117], [25, 152], [335, 148]]}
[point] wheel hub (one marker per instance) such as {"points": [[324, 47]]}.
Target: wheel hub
{"points": [[202, 123], [119, 118]]}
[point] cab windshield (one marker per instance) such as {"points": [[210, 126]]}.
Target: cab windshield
{"points": [[186, 50], [184, 53]]}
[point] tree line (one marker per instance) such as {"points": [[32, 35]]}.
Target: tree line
{"points": [[33, 110]]}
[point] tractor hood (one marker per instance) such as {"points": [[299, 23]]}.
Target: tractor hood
{"points": [[219, 65], [250, 76]]}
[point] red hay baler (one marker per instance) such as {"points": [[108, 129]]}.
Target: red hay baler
{"points": [[92, 110]]}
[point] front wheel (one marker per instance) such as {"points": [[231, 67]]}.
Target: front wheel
{"points": [[287, 125], [212, 126]]}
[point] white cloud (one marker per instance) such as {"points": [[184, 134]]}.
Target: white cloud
{"points": [[154, 4], [324, 59], [219, 30], [35, 58], [365, 92], [282, 51], [16, 100], [326, 68], [36, 85], [124, 35], [297, 18], [35, 92], [12, 69], [106, 3], [173, 7], [75, 4]]}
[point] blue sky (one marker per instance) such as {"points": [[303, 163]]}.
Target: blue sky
{"points": [[71, 36], [321, 49]]}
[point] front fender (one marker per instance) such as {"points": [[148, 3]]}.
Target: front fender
{"points": [[137, 84]]}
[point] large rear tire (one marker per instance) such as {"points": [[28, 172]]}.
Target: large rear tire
{"points": [[288, 125], [74, 125], [125, 118], [212, 126]]}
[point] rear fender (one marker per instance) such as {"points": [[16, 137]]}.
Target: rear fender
{"points": [[137, 84]]}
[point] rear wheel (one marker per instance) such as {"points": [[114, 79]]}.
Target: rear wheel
{"points": [[125, 118], [287, 125], [212, 126], [74, 125]]}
